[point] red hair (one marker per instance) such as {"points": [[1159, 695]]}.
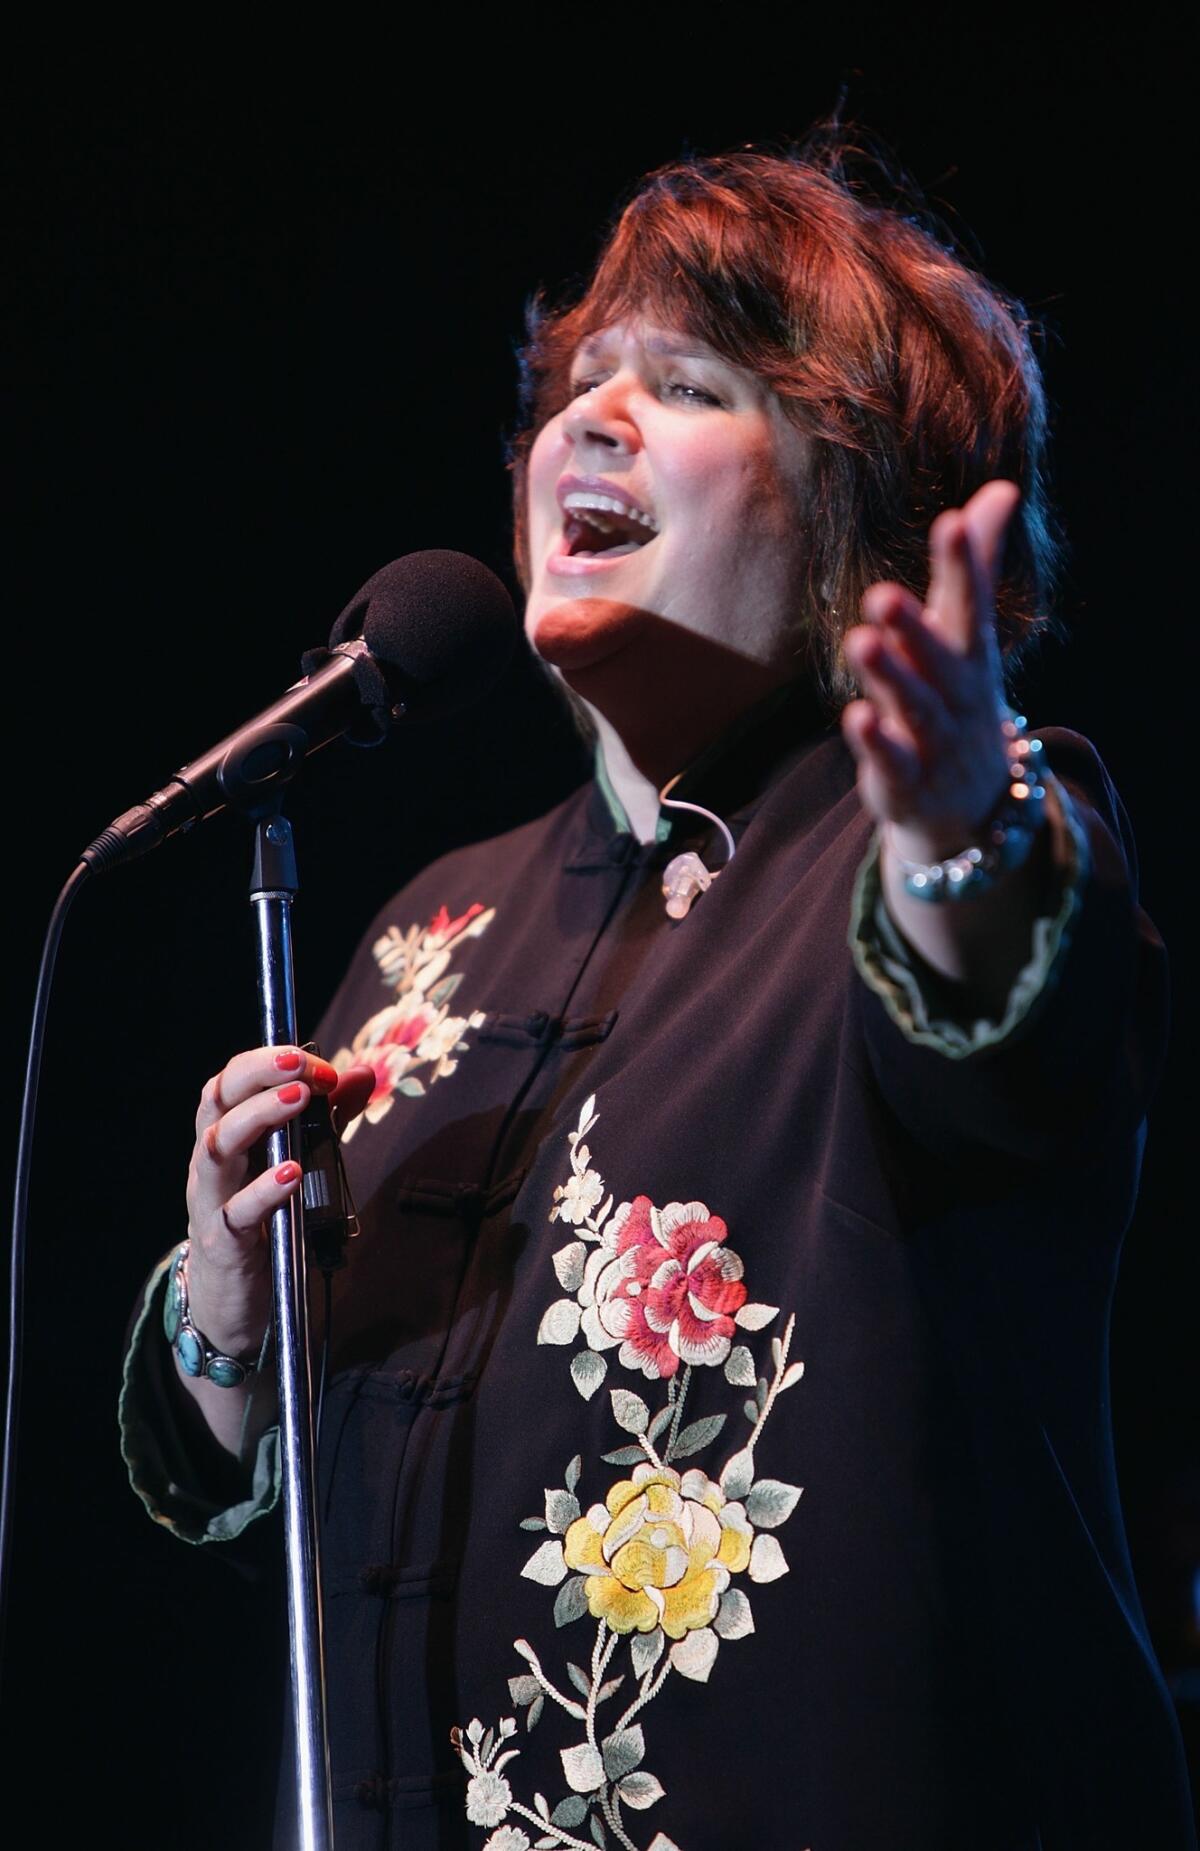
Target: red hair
{"points": [[914, 376]]}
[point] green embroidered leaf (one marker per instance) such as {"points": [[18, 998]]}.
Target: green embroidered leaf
{"points": [[623, 1751], [762, 1390], [767, 1560], [533, 1523], [646, 1649], [629, 1410], [535, 1711], [568, 1264], [583, 1768], [546, 1565], [696, 1654], [562, 1508], [739, 1367], [486, 1748], [550, 1842], [750, 1410], [661, 1419], [587, 1372], [598, 1832], [734, 1619], [571, 1811], [443, 991], [580, 1679], [771, 1503], [412, 1088], [570, 1602], [700, 1433], [560, 1323], [738, 1475], [624, 1455], [609, 1690], [523, 1690], [791, 1376], [640, 1791], [572, 1472]]}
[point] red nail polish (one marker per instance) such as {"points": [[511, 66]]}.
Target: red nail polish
{"points": [[289, 1095], [322, 1076], [288, 1061], [287, 1172]]}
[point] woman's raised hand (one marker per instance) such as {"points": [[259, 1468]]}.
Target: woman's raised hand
{"points": [[926, 734], [229, 1204]]}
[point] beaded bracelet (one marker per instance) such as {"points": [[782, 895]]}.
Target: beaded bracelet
{"points": [[1009, 835], [197, 1356]]}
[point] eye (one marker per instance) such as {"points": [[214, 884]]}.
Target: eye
{"points": [[577, 387], [691, 393]]}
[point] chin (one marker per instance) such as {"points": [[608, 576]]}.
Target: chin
{"points": [[579, 633]]}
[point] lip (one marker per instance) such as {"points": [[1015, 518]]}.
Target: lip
{"points": [[562, 565]]}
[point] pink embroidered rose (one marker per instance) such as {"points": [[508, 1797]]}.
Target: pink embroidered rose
{"points": [[664, 1286]]}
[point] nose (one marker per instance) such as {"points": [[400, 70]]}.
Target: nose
{"points": [[604, 416]]}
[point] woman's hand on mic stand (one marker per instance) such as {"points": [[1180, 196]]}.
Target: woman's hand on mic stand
{"points": [[229, 1205]]}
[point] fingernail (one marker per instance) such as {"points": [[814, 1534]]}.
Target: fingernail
{"points": [[287, 1172], [287, 1060], [288, 1095], [322, 1076]]}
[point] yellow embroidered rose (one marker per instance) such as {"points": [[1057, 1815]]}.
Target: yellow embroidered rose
{"points": [[659, 1551]]}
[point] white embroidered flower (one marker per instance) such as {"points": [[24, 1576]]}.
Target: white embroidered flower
{"points": [[578, 1196], [508, 1838], [489, 1797], [441, 1037]]}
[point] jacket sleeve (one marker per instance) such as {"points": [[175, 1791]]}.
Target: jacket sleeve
{"points": [[186, 1481], [1078, 1044]]}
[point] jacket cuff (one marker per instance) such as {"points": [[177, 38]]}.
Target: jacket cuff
{"points": [[922, 1004], [159, 1456]]}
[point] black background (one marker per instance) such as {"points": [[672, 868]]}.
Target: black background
{"points": [[264, 316]]}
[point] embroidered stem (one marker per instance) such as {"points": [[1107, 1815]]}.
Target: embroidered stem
{"points": [[674, 1433], [545, 1826], [649, 1692], [572, 1708], [772, 1392], [609, 1808], [649, 1451], [600, 1658]]}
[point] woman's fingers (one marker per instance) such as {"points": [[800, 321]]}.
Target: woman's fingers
{"points": [[350, 1096], [965, 548], [255, 1094]]}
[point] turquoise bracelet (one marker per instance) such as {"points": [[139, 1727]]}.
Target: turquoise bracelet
{"points": [[197, 1356]]}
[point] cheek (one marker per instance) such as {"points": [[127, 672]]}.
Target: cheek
{"points": [[546, 461]]}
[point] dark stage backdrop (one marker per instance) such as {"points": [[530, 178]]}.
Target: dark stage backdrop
{"points": [[264, 332]]}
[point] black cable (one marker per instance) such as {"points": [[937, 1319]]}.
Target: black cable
{"points": [[16, 1272]]}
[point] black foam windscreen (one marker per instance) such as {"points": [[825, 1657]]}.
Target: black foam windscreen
{"points": [[441, 618]]}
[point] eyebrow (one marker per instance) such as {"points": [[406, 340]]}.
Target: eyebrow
{"points": [[655, 344]]}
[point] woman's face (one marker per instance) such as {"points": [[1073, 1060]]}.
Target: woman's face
{"points": [[665, 494]]}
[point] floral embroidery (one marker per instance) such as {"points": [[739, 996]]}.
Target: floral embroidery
{"points": [[655, 1562], [416, 1029]]}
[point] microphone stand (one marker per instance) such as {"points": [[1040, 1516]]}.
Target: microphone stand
{"points": [[253, 777]]}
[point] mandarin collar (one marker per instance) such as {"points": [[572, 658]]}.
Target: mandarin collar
{"points": [[731, 777]]}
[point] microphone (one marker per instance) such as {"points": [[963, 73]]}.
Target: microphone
{"points": [[428, 634]]}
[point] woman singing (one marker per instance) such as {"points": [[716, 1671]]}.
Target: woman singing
{"points": [[715, 1450]]}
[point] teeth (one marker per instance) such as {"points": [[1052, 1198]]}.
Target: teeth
{"points": [[582, 499]]}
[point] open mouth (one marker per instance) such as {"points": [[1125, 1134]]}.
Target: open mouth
{"points": [[599, 525]]}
